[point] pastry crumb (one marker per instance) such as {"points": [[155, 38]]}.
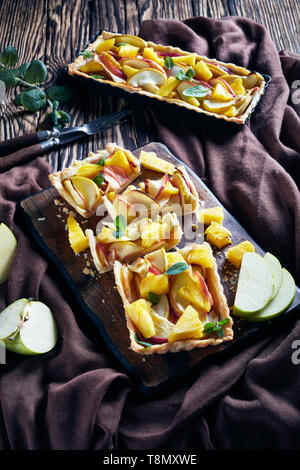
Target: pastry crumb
{"points": [[41, 219], [86, 271]]}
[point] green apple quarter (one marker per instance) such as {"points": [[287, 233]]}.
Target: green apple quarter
{"points": [[281, 302], [255, 286]]}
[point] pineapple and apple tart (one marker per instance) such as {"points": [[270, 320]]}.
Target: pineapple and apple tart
{"points": [[174, 193], [124, 243], [85, 182], [170, 74], [174, 301]]}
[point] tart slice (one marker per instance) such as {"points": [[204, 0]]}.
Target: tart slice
{"points": [[175, 193], [135, 240], [85, 182], [174, 301]]}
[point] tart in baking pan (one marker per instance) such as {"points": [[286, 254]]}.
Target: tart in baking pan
{"points": [[128, 242], [85, 182], [175, 193], [174, 301], [169, 74]]}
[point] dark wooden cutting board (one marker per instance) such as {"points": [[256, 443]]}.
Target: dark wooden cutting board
{"points": [[46, 213]]}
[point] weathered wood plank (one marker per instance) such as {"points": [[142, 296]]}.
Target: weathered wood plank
{"points": [[15, 18]]}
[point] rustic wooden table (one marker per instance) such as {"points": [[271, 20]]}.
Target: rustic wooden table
{"points": [[52, 30]]}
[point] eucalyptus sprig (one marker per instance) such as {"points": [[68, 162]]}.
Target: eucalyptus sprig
{"points": [[33, 98]]}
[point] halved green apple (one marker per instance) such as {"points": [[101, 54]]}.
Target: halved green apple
{"points": [[8, 248], [28, 327]]}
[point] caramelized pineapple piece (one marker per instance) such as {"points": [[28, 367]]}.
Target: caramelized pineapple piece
{"points": [[211, 214], [151, 161], [92, 66], [140, 313], [236, 253], [174, 257], [202, 256], [169, 190], [88, 170], [220, 93], [105, 45], [118, 159], [168, 86], [158, 284], [218, 235], [202, 72], [128, 51], [111, 196], [77, 239], [189, 59], [153, 232], [193, 294], [150, 53], [188, 326], [129, 71]]}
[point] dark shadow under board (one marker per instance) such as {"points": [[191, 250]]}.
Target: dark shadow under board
{"points": [[99, 298]]}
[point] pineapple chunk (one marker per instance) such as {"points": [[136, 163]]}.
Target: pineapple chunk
{"points": [[168, 86], [140, 313], [118, 159], [105, 45], [211, 214], [236, 253], [202, 71], [220, 93], [77, 239], [128, 51], [202, 256], [174, 257], [193, 294], [158, 284], [189, 59], [231, 112], [129, 71], [153, 232], [111, 196], [92, 66], [218, 235], [188, 326], [88, 170], [151, 161], [149, 53], [238, 87], [169, 190]]}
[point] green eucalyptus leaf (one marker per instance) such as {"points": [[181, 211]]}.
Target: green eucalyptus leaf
{"points": [[9, 77], [87, 54], [36, 72], [121, 225], [224, 321], [177, 268], [98, 76], [63, 117], [9, 56], [17, 99], [153, 298], [21, 70], [51, 120], [33, 100], [190, 73], [60, 93], [99, 179], [198, 91], [169, 62]]}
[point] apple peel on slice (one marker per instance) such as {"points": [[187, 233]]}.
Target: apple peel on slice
{"points": [[8, 248]]}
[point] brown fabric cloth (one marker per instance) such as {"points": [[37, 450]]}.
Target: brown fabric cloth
{"points": [[78, 396]]}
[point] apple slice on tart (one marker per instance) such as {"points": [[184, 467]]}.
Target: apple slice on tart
{"points": [[85, 182], [172, 304], [124, 243]]}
